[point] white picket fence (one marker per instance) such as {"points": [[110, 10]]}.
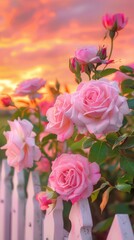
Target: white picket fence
{"points": [[22, 219]]}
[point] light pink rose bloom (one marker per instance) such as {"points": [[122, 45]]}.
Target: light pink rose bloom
{"points": [[86, 55], [43, 165], [58, 122], [30, 87], [98, 105], [73, 177], [21, 150], [45, 199], [120, 76], [90, 55], [114, 22]]}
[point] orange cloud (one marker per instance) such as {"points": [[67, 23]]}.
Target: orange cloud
{"points": [[37, 37]]}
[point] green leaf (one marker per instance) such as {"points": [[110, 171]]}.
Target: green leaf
{"points": [[123, 187], [130, 103], [120, 140], [98, 152], [22, 112], [111, 138], [127, 165], [126, 69], [104, 73], [103, 225], [77, 145], [88, 143], [127, 86], [125, 179], [95, 193], [48, 137], [123, 208], [44, 119], [128, 143]]}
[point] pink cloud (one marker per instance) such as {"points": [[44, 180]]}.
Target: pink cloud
{"points": [[41, 33]]}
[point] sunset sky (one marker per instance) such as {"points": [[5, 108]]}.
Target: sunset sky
{"points": [[37, 37]]}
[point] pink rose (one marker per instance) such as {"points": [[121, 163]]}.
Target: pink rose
{"points": [[44, 106], [114, 22], [90, 55], [20, 148], [120, 76], [58, 122], [30, 87], [43, 165], [45, 199], [73, 177], [98, 106], [86, 55]]}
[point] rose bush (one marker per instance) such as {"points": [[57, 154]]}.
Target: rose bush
{"points": [[87, 136]]}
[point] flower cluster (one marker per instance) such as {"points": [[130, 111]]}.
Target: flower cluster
{"points": [[78, 139], [96, 107]]}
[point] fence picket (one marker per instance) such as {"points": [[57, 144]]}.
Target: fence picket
{"points": [[5, 201], [53, 222], [27, 222], [81, 220], [33, 224], [121, 228], [18, 207]]}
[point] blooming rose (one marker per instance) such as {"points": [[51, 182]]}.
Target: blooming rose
{"points": [[98, 106], [43, 165], [90, 55], [58, 122], [30, 87], [73, 177], [114, 22], [20, 148], [86, 55], [45, 199]]}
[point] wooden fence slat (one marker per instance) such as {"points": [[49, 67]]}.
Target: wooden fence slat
{"points": [[121, 228], [53, 222], [18, 224], [81, 220], [5, 201], [18, 207], [33, 221]]}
